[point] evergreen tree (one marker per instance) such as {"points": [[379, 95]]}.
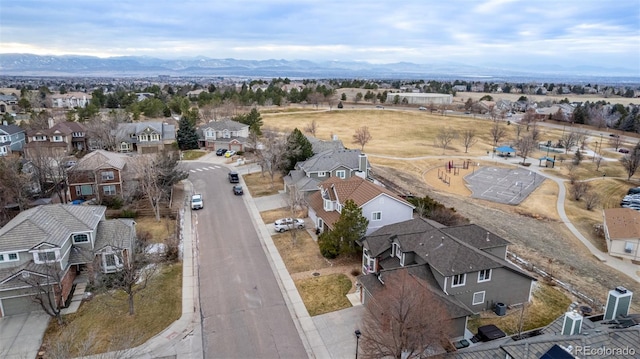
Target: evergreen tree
{"points": [[346, 231], [253, 119], [298, 149], [187, 136]]}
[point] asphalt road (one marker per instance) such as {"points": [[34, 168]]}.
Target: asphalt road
{"points": [[243, 311]]}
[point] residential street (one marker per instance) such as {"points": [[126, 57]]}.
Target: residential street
{"points": [[243, 311]]}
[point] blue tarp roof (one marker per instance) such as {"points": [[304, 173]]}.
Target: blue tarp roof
{"points": [[505, 149]]}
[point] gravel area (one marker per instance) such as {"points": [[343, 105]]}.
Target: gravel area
{"points": [[545, 243]]}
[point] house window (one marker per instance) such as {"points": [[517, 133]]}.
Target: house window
{"points": [[376, 216], [628, 247], [80, 238], [368, 262], [339, 207], [341, 174], [109, 190], [320, 224], [107, 176], [84, 190], [484, 275], [402, 260], [39, 138], [328, 205], [143, 138], [45, 257], [226, 134], [124, 146], [478, 298], [8, 257], [3, 150], [322, 174], [209, 133], [155, 137], [395, 250], [110, 260], [3, 139], [459, 280], [57, 138]]}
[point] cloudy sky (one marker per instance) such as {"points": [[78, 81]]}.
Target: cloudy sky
{"points": [[495, 32]]}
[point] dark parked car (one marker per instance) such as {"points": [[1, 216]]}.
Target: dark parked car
{"points": [[233, 177], [623, 150], [221, 151], [614, 135], [237, 190]]}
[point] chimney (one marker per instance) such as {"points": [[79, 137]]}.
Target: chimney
{"points": [[4, 123], [618, 303], [572, 324], [362, 164], [334, 137]]}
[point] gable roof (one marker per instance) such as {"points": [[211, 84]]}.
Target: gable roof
{"points": [[354, 188], [100, 159], [622, 223], [11, 129], [222, 125], [118, 233], [52, 224], [329, 160], [318, 145], [124, 130], [67, 127]]}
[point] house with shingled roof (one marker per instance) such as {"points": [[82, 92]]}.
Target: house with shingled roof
{"points": [[467, 262], [379, 205], [224, 134], [61, 139], [54, 244], [12, 139], [100, 174], [622, 232], [145, 137]]}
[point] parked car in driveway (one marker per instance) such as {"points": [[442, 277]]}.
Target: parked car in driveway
{"points": [[197, 202], [221, 151], [237, 190], [229, 153], [285, 224]]}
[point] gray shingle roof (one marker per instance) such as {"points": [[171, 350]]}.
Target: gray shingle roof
{"points": [[330, 160], [48, 224], [301, 181], [225, 124], [11, 129], [118, 233], [123, 132], [318, 145], [476, 236], [101, 159]]}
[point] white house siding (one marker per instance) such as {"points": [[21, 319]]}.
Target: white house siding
{"points": [[393, 211]]}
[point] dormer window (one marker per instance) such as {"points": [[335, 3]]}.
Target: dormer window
{"points": [[395, 250], [57, 138], [155, 137], [143, 138], [80, 238], [339, 208], [341, 174], [39, 138], [322, 174], [328, 205], [4, 139]]}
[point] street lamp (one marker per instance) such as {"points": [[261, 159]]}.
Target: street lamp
{"points": [[358, 334]]}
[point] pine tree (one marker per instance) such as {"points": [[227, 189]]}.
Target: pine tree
{"points": [[298, 149], [346, 231], [187, 136]]}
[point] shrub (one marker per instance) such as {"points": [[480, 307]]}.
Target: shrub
{"points": [[113, 202], [328, 247], [126, 213], [355, 272]]}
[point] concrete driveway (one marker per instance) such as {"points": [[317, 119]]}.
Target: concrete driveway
{"points": [[21, 335], [337, 330]]}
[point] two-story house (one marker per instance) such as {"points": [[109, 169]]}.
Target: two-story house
{"points": [[227, 134], [341, 163], [622, 232], [379, 205], [99, 174], [145, 137], [54, 244], [58, 140], [70, 100], [12, 139], [466, 262], [8, 104]]}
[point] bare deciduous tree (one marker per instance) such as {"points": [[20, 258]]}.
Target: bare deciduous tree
{"points": [[103, 131], [47, 283], [362, 137], [312, 128], [49, 164], [468, 139], [444, 137], [631, 161], [525, 146], [156, 174], [529, 118], [578, 189], [497, 133], [569, 139], [615, 141], [271, 155], [404, 320], [14, 184], [591, 200]]}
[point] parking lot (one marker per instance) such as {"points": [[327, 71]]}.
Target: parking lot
{"points": [[503, 185]]}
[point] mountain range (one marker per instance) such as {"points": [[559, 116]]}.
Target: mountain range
{"points": [[133, 66]]}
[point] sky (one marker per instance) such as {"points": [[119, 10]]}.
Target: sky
{"points": [[483, 32]]}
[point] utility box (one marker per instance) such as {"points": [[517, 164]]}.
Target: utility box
{"points": [[500, 309]]}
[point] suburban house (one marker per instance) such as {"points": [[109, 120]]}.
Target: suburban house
{"points": [[12, 139], [226, 134], [574, 334], [99, 174], [70, 100], [145, 137], [341, 163], [53, 244], [466, 263], [379, 205], [58, 140], [8, 104], [622, 232]]}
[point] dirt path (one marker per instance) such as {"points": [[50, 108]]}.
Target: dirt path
{"points": [[545, 242]]}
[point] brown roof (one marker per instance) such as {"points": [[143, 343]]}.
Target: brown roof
{"points": [[622, 223], [355, 188]]}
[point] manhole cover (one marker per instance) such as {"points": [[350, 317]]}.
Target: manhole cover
{"points": [[315, 274]]}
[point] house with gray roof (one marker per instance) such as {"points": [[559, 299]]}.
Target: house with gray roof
{"points": [[8, 104], [55, 243], [341, 163], [100, 175], [145, 137], [12, 139], [60, 139], [467, 262], [224, 134]]}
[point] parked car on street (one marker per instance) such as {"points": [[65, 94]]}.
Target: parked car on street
{"points": [[196, 202], [229, 153], [233, 177], [221, 151], [623, 150], [237, 190], [421, 108], [285, 224]]}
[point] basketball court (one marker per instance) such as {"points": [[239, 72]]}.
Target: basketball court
{"points": [[503, 185]]}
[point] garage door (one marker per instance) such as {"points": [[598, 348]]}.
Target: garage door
{"points": [[19, 305]]}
